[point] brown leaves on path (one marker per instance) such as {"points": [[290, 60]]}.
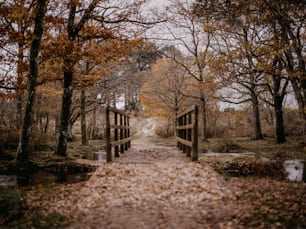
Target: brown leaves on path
{"points": [[149, 188], [160, 188]]}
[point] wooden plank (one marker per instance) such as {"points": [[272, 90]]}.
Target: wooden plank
{"points": [[114, 126], [121, 142], [189, 126], [186, 112], [184, 142], [117, 111]]}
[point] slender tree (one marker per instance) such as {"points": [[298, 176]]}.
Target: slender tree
{"points": [[99, 20], [186, 30], [16, 19], [22, 152]]}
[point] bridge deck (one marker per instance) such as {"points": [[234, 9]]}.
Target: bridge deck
{"points": [[152, 187]]}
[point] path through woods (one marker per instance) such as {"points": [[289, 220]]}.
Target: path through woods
{"points": [[151, 187]]}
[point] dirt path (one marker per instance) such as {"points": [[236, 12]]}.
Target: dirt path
{"points": [[152, 187]]}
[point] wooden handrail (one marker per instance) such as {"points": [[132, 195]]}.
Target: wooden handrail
{"points": [[121, 139], [187, 132]]}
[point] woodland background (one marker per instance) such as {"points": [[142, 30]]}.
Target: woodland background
{"points": [[62, 62]]}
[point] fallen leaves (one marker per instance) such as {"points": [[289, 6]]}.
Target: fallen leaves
{"points": [[270, 203], [142, 190]]}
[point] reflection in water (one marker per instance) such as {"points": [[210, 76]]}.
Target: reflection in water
{"points": [[46, 178], [97, 156], [295, 170]]}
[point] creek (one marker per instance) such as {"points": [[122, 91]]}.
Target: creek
{"points": [[43, 178]]}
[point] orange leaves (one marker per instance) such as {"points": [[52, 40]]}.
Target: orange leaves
{"points": [[47, 91], [161, 95]]}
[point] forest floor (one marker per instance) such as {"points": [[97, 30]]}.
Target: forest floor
{"points": [[156, 186]]}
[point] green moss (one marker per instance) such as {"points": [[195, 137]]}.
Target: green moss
{"points": [[40, 220], [11, 205]]}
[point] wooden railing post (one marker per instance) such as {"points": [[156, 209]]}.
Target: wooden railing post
{"points": [[121, 126], [184, 133], [187, 132], [108, 136], [195, 135], [129, 133], [116, 137], [125, 133], [181, 132], [121, 134]]}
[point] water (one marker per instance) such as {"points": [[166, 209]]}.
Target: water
{"points": [[295, 170], [41, 178], [97, 156]]}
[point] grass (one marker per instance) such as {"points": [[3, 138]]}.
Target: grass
{"points": [[76, 150], [267, 148], [41, 220], [283, 193], [158, 141]]}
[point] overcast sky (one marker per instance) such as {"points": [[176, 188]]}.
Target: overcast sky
{"points": [[157, 3]]}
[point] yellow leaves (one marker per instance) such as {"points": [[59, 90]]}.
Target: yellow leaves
{"points": [[48, 91], [4, 96]]}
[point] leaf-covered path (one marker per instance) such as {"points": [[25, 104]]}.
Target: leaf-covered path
{"points": [[150, 187]]}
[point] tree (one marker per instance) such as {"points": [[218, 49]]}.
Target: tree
{"points": [[188, 33], [162, 93], [272, 63], [16, 19], [290, 17], [22, 152], [269, 55], [99, 20], [139, 63], [235, 36]]}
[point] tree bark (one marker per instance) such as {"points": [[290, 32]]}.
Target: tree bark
{"points": [[65, 111], [83, 118], [22, 151], [19, 82], [278, 108], [73, 29], [94, 121], [257, 135], [46, 126], [204, 119]]}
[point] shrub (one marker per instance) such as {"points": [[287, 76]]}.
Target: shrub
{"points": [[255, 167], [11, 206], [40, 142], [164, 131], [250, 167], [227, 146], [9, 137]]}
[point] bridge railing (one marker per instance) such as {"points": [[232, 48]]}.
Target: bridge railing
{"points": [[187, 132], [117, 132]]}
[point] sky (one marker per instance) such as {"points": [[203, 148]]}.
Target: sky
{"points": [[157, 3]]}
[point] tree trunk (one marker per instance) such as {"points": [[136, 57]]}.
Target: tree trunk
{"points": [[280, 131], [18, 88], [256, 117], [65, 112], [46, 126], [204, 120], [83, 118], [304, 123], [22, 151], [94, 121]]}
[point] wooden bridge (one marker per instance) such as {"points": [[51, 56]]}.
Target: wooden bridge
{"points": [[118, 132]]}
